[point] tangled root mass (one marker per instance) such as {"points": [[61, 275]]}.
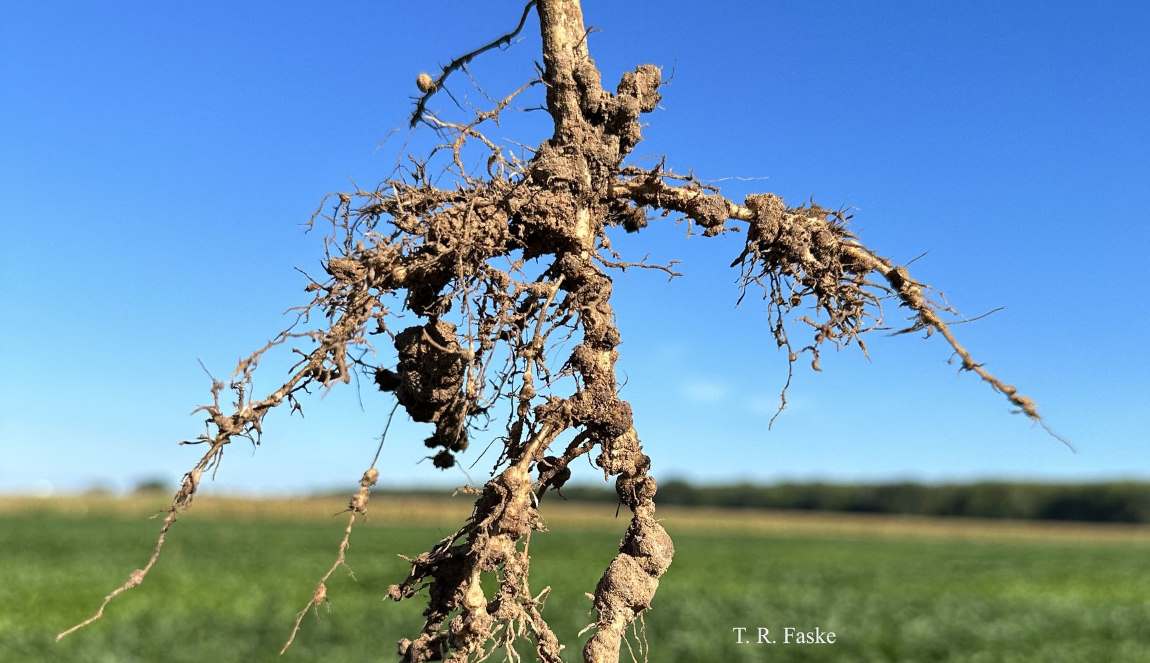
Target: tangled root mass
{"points": [[500, 272]]}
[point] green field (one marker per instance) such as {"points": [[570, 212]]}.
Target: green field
{"points": [[231, 581]]}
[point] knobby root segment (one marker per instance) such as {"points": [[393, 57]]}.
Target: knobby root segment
{"points": [[502, 290], [797, 253], [181, 501], [429, 86], [356, 507]]}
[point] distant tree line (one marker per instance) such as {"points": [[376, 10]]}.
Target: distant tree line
{"points": [[1113, 502]]}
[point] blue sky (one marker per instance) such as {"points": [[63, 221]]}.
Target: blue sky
{"points": [[157, 159]]}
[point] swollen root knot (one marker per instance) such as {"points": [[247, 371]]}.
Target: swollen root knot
{"points": [[625, 589], [628, 586], [188, 486], [369, 478], [135, 578], [650, 545], [358, 503]]}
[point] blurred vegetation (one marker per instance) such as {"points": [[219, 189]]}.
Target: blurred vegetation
{"points": [[228, 589], [152, 486], [1109, 502]]}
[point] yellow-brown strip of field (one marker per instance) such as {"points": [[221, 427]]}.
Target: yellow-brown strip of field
{"points": [[392, 509]]}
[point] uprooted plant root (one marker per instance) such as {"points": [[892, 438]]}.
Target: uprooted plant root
{"points": [[492, 278]]}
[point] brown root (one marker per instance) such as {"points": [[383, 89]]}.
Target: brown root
{"points": [[805, 255], [486, 332], [356, 507]]}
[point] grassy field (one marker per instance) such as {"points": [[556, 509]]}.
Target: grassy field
{"points": [[236, 571]]}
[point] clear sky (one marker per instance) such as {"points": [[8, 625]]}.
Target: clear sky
{"points": [[157, 159]]}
